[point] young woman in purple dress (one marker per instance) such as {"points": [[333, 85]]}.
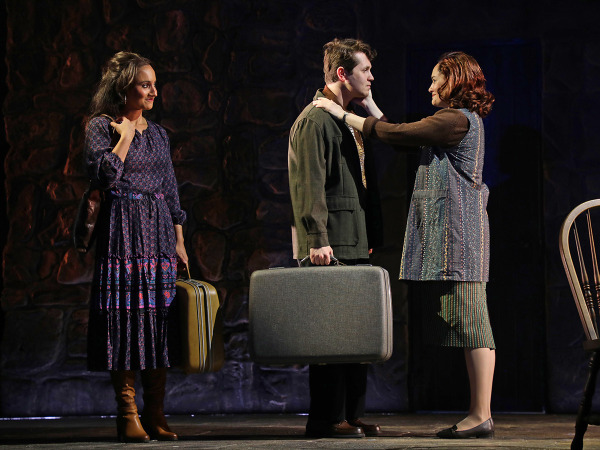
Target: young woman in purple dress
{"points": [[140, 241]]}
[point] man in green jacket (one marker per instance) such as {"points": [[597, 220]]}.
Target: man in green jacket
{"points": [[333, 187]]}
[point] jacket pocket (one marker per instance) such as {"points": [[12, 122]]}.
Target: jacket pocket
{"points": [[342, 220]]}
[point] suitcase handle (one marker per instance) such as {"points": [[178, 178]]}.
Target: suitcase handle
{"points": [[187, 268], [334, 260]]}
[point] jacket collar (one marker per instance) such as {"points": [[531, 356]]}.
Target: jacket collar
{"points": [[331, 96]]}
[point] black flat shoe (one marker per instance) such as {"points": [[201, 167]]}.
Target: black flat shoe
{"points": [[483, 430]]}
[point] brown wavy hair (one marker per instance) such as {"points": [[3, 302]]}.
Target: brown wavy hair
{"points": [[465, 84], [341, 53], [118, 75]]}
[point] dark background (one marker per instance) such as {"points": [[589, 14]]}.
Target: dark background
{"points": [[233, 75]]}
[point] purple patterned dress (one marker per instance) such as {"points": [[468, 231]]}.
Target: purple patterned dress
{"points": [[136, 262]]}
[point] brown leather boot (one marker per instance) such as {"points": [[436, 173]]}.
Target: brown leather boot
{"points": [[153, 417], [129, 428]]}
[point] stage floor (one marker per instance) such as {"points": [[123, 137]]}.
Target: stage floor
{"points": [[514, 431]]}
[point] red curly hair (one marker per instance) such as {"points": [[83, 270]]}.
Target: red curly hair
{"points": [[465, 84]]}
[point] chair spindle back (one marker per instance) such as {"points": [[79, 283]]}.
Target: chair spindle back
{"points": [[586, 295]]}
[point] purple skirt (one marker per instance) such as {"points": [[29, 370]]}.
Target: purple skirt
{"points": [[132, 322]]}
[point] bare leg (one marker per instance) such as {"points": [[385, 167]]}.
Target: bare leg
{"points": [[480, 366]]}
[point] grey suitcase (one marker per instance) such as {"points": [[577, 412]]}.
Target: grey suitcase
{"points": [[320, 314]]}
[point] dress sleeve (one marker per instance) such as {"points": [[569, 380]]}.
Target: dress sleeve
{"points": [[308, 146], [170, 187], [446, 128], [103, 166]]}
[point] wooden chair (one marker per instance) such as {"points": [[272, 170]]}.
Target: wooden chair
{"points": [[577, 233]]}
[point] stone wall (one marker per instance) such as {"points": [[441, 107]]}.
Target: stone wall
{"points": [[233, 75]]}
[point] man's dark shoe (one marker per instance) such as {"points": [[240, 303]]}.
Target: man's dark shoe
{"points": [[335, 430], [369, 430]]}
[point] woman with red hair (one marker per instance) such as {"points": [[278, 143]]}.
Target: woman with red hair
{"points": [[446, 246]]}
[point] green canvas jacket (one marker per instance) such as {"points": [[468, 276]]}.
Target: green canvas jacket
{"points": [[330, 204]]}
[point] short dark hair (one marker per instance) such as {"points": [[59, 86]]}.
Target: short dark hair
{"points": [[465, 84], [341, 53]]}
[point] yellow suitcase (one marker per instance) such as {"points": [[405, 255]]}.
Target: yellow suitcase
{"points": [[201, 326]]}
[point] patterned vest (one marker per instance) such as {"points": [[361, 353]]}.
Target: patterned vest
{"points": [[447, 234]]}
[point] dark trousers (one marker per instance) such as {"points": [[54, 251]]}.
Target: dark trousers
{"points": [[337, 392]]}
